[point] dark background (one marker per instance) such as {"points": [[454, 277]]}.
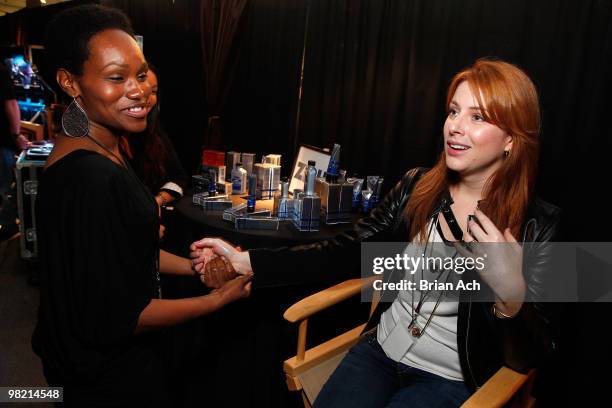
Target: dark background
{"points": [[375, 78]]}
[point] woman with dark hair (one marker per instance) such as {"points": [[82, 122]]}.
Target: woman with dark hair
{"points": [[98, 227], [152, 155], [428, 348]]}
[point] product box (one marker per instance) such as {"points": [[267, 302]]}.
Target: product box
{"points": [[212, 203], [224, 187], [199, 184], [283, 207], [272, 159], [240, 211], [231, 158], [213, 158], [220, 172], [306, 211], [268, 180], [248, 159], [28, 173], [336, 201]]}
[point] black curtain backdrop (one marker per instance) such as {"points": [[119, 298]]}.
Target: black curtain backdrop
{"points": [[219, 26], [375, 79], [261, 108], [377, 72]]}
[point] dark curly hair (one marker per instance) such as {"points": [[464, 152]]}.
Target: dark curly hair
{"points": [[149, 152], [68, 33]]}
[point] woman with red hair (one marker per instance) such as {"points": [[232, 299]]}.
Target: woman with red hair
{"points": [[426, 348]]}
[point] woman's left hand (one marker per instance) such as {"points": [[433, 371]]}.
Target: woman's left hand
{"points": [[502, 257]]}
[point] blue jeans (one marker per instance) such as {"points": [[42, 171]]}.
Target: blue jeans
{"points": [[366, 377]]}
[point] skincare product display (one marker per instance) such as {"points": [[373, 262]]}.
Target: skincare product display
{"points": [[329, 195]]}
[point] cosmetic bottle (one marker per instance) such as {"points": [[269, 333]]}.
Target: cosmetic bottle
{"points": [[311, 175], [333, 169], [239, 180], [283, 205], [252, 193]]}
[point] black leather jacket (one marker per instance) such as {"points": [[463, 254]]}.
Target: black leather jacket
{"points": [[485, 342]]}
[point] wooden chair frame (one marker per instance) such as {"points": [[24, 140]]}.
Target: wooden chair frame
{"points": [[506, 388]]}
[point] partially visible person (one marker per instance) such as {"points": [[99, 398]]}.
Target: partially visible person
{"points": [[427, 348], [152, 155], [9, 144], [101, 310]]}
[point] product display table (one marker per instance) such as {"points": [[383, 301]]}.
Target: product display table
{"points": [[233, 357], [211, 223]]}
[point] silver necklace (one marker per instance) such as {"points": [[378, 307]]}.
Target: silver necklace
{"points": [[413, 328]]}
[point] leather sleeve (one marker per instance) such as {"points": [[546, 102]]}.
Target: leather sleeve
{"points": [[533, 332], [334, 259]]}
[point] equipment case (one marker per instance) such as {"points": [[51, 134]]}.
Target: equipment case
{"points": [[28, 172]]}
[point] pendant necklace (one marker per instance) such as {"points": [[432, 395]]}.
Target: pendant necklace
{"points": [[413, 328]]}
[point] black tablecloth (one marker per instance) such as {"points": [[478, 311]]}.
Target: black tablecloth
{"points": [[233, 358]]}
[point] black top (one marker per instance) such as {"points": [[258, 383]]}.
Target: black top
{"points": [[98, 233], [6, 93]]}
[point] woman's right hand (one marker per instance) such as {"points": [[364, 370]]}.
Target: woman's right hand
{"points": [[232, 290]]}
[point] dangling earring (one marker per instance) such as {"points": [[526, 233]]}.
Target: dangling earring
{"points": [[74, 120], [506, 153]]}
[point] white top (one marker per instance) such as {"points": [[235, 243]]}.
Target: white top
{"points": [[173, 187], [436, 350]]}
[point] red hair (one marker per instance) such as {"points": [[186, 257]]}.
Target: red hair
{"points": [[511, 102]]}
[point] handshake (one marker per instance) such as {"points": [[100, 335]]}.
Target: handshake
{"points": [[217, 262]]}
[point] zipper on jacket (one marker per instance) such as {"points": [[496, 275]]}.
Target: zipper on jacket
{"points": [[467, 335]]}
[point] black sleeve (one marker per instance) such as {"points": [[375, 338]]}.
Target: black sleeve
{"points": [[532, 334], [100, 270], [334, 259], [174, 170], [6, 85]]}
